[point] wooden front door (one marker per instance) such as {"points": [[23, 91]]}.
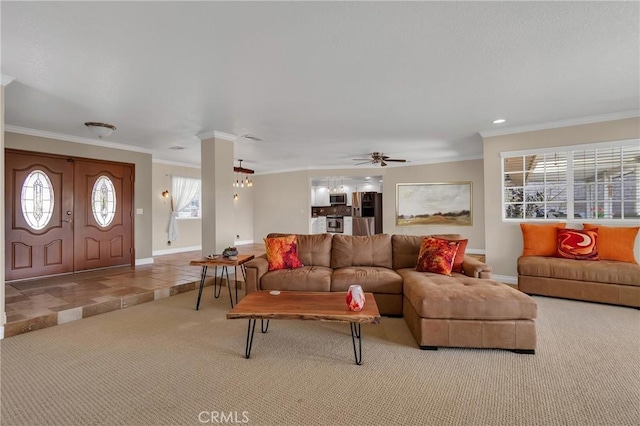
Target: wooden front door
{"points": [[66, 214], [38, 215], [104, 217]]}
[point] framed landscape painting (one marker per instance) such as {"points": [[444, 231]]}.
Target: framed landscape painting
{"points": [[433, 204]]}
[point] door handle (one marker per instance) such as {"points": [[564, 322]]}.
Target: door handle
{"points": [[66, 220]]}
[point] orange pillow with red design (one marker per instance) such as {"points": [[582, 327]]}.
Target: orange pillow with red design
{"points": [[282, 252], [437, 255], [578, 244]]}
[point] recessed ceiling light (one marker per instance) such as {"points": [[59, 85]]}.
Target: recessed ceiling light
{"points": [[499, 121]]}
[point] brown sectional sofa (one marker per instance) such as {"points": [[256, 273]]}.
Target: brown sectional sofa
{"points": [[604, 281], [463, 310]]}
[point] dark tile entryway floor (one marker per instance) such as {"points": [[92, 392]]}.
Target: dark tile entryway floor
{"points": [[45, 302]]}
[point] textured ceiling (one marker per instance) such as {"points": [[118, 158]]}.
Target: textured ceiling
{"points": [[320, 83]]}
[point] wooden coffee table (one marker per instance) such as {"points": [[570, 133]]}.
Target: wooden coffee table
{"points": [[315, 306]]}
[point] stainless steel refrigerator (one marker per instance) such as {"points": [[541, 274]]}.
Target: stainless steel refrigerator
{"points": [[366, 210]]}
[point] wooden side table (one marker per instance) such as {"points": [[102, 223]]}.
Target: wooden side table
{"points": [[223, 262]]}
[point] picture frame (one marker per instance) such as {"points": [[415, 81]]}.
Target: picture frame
{"points": [[446, 203]]}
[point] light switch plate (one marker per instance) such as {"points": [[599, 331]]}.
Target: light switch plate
{"points": [[139, 211]]}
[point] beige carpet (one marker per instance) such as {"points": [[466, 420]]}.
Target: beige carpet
{"points": [[164, 363]]}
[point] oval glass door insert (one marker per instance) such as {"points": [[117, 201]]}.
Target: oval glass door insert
{"points": [[103, 201], [36, 199]]}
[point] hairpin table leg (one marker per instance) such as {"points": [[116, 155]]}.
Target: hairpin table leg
{"points": [[250, 330], [203, 275], [356, 332], [217, 286]]}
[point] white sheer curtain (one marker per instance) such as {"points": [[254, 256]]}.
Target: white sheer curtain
{"points": [[183, 191]]}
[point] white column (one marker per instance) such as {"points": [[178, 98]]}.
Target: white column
{"points": [[217, 193], [3, 316]]}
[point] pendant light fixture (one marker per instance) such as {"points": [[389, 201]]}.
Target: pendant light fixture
{"points": [[241, 183]]}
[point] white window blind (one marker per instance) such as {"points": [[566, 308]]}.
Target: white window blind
{"points": [[599, 182]]}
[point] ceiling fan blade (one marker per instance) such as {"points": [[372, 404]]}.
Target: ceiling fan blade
{"points": [[396, 160], [361, 159], [382, 163], [364, 162]]}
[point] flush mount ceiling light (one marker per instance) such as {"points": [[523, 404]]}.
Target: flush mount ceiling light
{"points": [[251, 137], [101, 130], [176, 148], [499, 121]]}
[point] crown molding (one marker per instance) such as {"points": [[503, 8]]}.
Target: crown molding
{"points": [[6, 79], [216, 134], [176, 163], [561, 123], [77, 139], [374, 169]]}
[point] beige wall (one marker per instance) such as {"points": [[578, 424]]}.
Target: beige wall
{"points": [[283, 200], [458, 171], [504, 239], [281, 204], [189, 234], [143, 169], [2, 249], [190, 230]]}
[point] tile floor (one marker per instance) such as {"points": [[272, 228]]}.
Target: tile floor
{"points": [[45, 302]]}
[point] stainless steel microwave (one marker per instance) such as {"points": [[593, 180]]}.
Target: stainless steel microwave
{"points": [[338, 199]]}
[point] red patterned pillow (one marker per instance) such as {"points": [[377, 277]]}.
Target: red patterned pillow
{"points": [[462, 247], [437, 255], [579, 244], [282, 252]]}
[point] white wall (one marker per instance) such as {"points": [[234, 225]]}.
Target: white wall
{"points": [[504, 239]]}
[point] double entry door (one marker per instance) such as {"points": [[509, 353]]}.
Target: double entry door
{"points": [[65, 214]]}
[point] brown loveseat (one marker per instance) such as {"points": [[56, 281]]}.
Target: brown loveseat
{"points": [[463, 310], [604, 281]]}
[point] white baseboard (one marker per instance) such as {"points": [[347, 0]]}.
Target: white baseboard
{"points": [[242, 242], [176, 250], [507, 279], [144, 261], [1, 332]]}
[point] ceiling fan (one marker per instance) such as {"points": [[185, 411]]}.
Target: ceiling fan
{"points": [[378, 158]]}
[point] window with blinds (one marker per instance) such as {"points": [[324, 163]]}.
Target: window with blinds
{"points": [[601, 181]]}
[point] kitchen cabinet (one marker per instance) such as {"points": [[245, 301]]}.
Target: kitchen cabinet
{"points": [[320, 196], [348, 225], [318, 225]]}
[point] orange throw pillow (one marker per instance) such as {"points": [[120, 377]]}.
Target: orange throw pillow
{"points": [[615, 243], [540, 240], [436, 255], [578, 244], [282, 252]]}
